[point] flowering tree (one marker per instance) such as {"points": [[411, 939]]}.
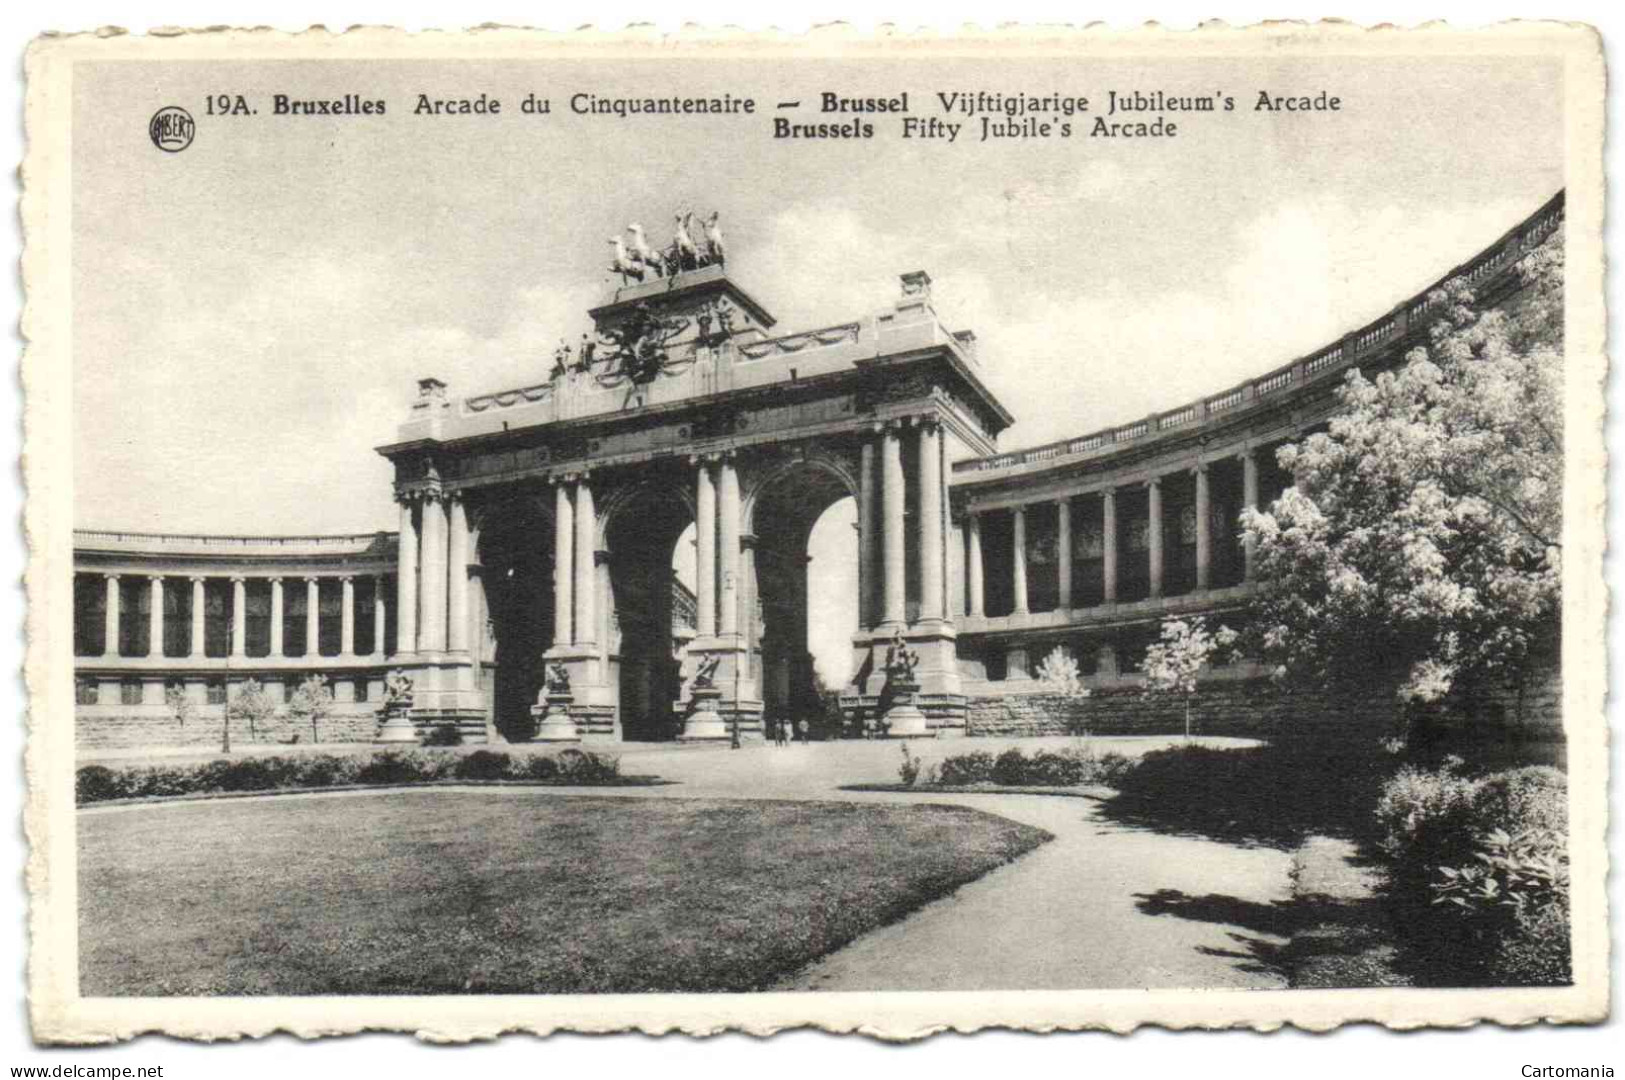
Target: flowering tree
{"points": [[313, 700], [1173, 663], [1420, 544], [252, 704], [181, 707], [1059, 671]]}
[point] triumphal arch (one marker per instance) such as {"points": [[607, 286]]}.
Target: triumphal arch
{"points": [[546, 516]]}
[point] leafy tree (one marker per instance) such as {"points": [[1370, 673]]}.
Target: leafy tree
{"points": [[252, 704], [1421, 542], [313, 700], [1173, 663], [181, 706]]}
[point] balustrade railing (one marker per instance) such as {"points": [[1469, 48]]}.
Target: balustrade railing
{"points": [[1373, 338], [1177, 418], [90, 537]]}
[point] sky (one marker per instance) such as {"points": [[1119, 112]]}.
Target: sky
{"points": [[251, 314]]}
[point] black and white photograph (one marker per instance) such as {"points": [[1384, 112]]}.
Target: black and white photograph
{"points": [[711, 533]]}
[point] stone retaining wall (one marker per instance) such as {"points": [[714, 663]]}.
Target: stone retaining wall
{"points": [[101, 731], [1251, 707]]}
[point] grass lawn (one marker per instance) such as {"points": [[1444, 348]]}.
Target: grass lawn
{"points": [[417, 892]]}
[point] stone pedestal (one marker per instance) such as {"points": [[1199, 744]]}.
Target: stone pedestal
{"points": [[397, 726], [730, 701], [904, 719], [704, 722], [445, 691], [554, 723], [937, 693], [592, 708]]}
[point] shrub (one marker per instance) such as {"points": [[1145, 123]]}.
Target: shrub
{"points": [[1063, 769], [586, 767], [540, 768], [1010, 768], [975, 767], [1275, 794], [327, 770], [402, 767], [443, 735], [1427, 817], [1535, 797], [97, 783], [909, 770], [245, 774], [1537, 952], [160, 780], [483, 765], [1510, 906], [1112, 768], [1480, 871]]}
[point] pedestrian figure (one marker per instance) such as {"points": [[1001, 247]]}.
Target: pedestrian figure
{"points": [[781, 732], [801, 729]]}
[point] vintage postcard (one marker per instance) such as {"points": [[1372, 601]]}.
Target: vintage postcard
{"points": [[1039, 529]]}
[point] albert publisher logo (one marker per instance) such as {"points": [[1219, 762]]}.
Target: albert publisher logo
{"points": [[171, 128]]}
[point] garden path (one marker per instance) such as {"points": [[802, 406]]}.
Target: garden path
{"points": [[1101, 906]]}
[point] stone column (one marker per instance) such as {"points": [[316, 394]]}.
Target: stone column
{"points": [[313, 613], [564, 566], [1204, 539], [1108, 562], [239, 617], [868, 518], [1154, 512], [457, 577], [973, 563], [1249, 497], [406, 584], [728, 545], [110, 646], [196, 646], [432, 578], [705, 553], [476, 607], [894, 576], [380, 618], [277, 612], [1063, 552], [931, 606], [155, 617], [586, 583], [1018, 559], [347, 618]]}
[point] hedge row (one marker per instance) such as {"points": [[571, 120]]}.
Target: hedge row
{"points": [[99, 783], [1044, 768]]}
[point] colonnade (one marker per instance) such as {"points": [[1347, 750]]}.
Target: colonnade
{"points": [[159, 583], [975, 573]]}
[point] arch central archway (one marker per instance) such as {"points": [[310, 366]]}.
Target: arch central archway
{"points": [[803, 518]]}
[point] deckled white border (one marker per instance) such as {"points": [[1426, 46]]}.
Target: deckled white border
{"points": [[59, 1015]]}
